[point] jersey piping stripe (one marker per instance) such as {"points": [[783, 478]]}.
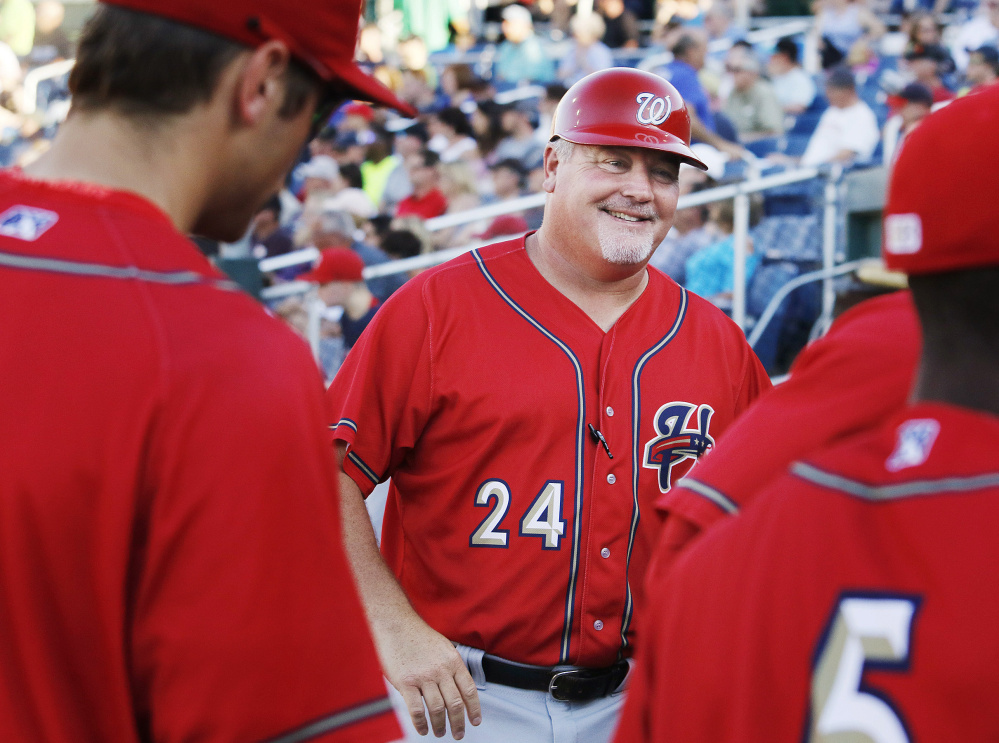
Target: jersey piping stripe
{"points": [[717, 497], [570, 599], [99, 270], [336, 721], [365, 469], [879, 493], [345, 422], [636, 463]]}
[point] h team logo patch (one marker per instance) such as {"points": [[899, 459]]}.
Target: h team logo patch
{"points": [[26, 222], [683, 430]]}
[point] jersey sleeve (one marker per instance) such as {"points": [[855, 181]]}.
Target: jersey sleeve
{"points": [[247, 624], [380, 399]]}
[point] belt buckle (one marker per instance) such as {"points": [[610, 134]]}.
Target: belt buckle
{"points": [[552, 685]]}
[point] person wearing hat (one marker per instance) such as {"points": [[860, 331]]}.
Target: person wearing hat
{"points": [[982, 69], [542, 392], [339, 275], [850, 600], [913, 103], [924, 62], [171, 548]]}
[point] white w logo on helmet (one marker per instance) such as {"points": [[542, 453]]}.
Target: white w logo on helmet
{"points": [[659, 109]]}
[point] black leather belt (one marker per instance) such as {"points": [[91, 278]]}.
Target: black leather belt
{"points": [[565, 685]]}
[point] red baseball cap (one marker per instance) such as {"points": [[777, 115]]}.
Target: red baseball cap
{"points": [[336, 264], [321, 34], [941, 210]]}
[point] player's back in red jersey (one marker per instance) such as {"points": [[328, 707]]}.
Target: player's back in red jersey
{"points": [[166, 572], [851, 601], [846, 382]]}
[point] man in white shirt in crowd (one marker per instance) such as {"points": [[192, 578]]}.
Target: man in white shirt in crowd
{"points": [[980, 31], [794, 87], [848, 129]]}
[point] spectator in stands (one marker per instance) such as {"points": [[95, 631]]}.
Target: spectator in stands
{"points": [[982, 30], [522, 58], [689, 51], [718, 24], [356, 117], [915, 101], [337, 229], [349, 195], [691, 233], [351, 147], [841, 24], [379, 162], [710, 273], [621, 25], [982, 70], [401, 244], [458, 184], [926, 30], [587, 53], [51, 43], [752, 106], [520, 143], [341, 284], [848, 129], [426, 200], [508, 179], [487, 124], [457, 83], [546, 110], [267, 237], [17, 25], [451, 136], [409, 141], [924, 64], [794, 87]]}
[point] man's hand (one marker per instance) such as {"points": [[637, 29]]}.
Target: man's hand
{"points": [[424, 666]]}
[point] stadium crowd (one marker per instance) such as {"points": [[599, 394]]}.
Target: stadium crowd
{"points": [[848, 91]]}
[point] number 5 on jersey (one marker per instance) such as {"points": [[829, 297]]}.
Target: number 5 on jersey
{"points": [[543, 518], [864, 631]]}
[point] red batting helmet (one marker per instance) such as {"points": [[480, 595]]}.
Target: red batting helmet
{"points": [[624, 107]]}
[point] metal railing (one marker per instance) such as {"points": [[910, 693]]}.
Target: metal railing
{"points": [[739, 192]]}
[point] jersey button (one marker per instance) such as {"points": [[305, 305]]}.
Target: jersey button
{"points": [[611, 479], [610, 411], [598, 625], [605, 553]]}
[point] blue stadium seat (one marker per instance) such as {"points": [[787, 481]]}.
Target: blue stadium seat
{"points": [[796, 238], [766, 282]]}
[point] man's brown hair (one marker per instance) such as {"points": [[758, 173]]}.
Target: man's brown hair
{"points": [[145, 66]]}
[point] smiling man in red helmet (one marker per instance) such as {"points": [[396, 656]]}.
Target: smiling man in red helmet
{"points": [[169, 538], [542, 392]]}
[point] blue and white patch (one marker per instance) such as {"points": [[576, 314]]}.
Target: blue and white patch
{"points": [[26, 222], [915, 440]]}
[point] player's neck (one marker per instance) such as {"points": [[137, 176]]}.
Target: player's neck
{"points": [[957, 382], [604, 296], [167, 167]]}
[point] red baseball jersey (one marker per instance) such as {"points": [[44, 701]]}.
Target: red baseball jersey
{"points": [[851, 601], [169, 533], [526, 446], [848, 381]]}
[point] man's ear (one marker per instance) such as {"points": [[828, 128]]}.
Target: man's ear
{"points": [[550, 164], [261, 83]]}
